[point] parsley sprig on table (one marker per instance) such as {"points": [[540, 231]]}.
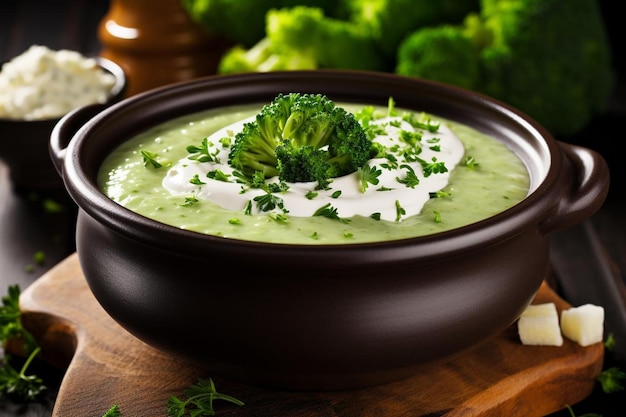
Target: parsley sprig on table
{"points": [[611, 379], [13, 382], [199, 401], [114, 411]]}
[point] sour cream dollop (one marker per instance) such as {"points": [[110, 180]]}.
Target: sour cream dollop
{"points": [[406, 181]]}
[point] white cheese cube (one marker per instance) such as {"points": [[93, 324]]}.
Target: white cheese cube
{"points": [[584, 324], [539, 325]]}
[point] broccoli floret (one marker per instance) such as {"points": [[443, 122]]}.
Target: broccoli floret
{"points": [[549, 58], [241, 21], [355, 34], [302, 163], [422, 54], [304, 37], [262, 58], [392, 20], [301, 138]]}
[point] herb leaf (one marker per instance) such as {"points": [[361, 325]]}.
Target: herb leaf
{"points": [[114, 411], [433, 167], [199, 401], [368, 175], [400, 211], [201, 153], [150, 159], [330, 212], [12, 382], [410, 179], [10, 323], [612, 380], [190, 201], [470, 162], [268, 202], [195, 180]]}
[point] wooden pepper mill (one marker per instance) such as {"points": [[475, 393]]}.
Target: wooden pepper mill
{"points": [[157, 43]]}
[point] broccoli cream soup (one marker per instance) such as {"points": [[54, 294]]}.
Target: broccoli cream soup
{"points": [[420, 175]]}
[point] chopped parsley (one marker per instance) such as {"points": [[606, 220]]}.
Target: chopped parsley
{"points": [[330, 212], [368, 175], [410, 179], [201, 153], [400, 211], [150, 159], [190, 201]]}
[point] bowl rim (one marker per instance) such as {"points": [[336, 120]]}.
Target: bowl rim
{"points": [[172, 98]]}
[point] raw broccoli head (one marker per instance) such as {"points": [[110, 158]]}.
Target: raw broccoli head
{"points": [[241, 21], [262, 58], [442, 53], [392, 20], [301, 138], [304, 37], [549, 58]]}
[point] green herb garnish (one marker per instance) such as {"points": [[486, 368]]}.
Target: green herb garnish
{"points": [[433, 167], [470, 162], [268, 202], [311, 195], [150, 159], [400, 211], [612, 380], [114, 411], [199, 401], [190, 201], [201, 153], [410, 179], [13, 382], [195, 180], [218, 175], [330, 212], [368, 175]]}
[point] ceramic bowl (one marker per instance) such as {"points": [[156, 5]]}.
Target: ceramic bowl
{"points": [[24, 143], [321, 317]]}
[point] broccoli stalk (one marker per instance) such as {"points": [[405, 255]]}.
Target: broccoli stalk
{"points": [[301, 138], [549, 58]]}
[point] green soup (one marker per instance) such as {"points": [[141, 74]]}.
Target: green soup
{"points": [[495, 181]]}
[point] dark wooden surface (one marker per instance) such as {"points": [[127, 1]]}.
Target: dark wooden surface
{"points": [[589, 260]]}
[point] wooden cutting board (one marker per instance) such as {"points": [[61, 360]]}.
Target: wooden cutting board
{"points": [[105, 365]]}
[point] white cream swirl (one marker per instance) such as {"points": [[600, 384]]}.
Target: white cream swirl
{"points": [[389, 199]]}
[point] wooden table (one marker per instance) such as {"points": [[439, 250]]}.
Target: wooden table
{"points": [[589, 260]]}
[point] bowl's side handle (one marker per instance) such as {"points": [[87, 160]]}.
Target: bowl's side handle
{"points": [[585, 185], [65, 129]]}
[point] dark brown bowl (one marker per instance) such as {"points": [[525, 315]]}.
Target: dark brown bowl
{"points": [[24, 143], [327, 316]]}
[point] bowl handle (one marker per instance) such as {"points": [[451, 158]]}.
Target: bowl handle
{"points": [[65, 129], [585, 185]]}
